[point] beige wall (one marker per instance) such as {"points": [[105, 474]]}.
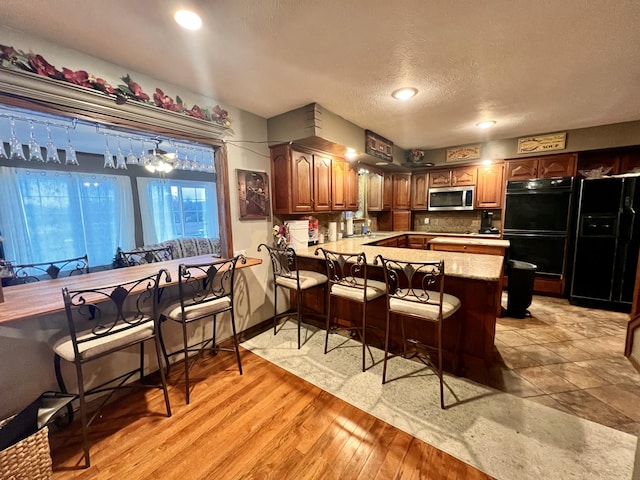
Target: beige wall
{"points": [[26, 361]]}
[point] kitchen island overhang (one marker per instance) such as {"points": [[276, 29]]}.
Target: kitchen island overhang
{"points": [[475, 279]]}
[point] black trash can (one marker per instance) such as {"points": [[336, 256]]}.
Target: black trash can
{"points": [[520, 292]]}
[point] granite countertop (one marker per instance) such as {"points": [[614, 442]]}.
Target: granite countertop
{"points": [[464, 265], [490, 242]]}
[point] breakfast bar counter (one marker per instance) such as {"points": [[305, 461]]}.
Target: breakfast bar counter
{"points": [[474, 278]]}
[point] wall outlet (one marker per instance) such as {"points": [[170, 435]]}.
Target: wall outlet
{"points": [[426, 221], [241, 252]]}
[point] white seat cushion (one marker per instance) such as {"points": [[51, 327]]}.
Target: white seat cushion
{"points": [[63, 345], [375, 289], [308, 279], [429, 311], [193, 312]]}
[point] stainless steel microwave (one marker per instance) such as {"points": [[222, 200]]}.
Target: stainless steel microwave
{"points": [[451, 198]]}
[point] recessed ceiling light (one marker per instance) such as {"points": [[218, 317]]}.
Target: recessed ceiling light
{"points": [[382, 163], [486, 124], [404, 93], [188, 19]]}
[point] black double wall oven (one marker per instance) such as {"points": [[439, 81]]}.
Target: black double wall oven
{"points": [[537, 215]]}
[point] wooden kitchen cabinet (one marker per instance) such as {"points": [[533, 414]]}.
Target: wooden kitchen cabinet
{"points": [[563, 165], [418, 242], [374, 192], [453, 177], [300, 181], [522, 169], [419, 188], [468, 248], [339, 185], [387, 191], [548, 166], [463, 176], [614, 161], [490, 186], [352, 185], [321, 183], [401, 191]]}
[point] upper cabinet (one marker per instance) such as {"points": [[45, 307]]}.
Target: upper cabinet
{"points": [[352, 193], [490, 186], [374, 192], [453, 177], [321, 183], [609, 162], [339, 170], [387, 191], [548, 166], [379, 192], [300, 181], [401, 191], [419, 188]]}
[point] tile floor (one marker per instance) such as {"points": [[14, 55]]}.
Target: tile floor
{"points": [[569, 358]]}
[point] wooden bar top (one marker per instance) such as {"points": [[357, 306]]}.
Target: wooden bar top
{"points": [[45, 297]]}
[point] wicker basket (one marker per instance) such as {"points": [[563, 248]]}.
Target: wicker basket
{"points": [[29, 459]]}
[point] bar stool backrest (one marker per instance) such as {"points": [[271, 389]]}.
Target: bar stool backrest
{"points": [[34, 272]]}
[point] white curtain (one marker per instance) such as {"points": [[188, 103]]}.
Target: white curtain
{"points": [[53, 215], [156, 210]]}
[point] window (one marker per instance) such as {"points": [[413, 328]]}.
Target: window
{"points": [[178, 208], [52, 215]]}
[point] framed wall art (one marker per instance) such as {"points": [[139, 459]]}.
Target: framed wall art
{"points": [[253, 194]]}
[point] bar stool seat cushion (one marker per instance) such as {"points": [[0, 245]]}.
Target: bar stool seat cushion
{"points": [[63, 346], [375, 289], [195, 311], [308, 279], [429, 311]]}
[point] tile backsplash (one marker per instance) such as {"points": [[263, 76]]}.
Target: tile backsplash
{"points": [[452, 222]]}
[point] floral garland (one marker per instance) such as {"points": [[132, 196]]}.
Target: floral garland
{"points": [[30, 62]]}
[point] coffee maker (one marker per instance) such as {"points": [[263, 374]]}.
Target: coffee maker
{"points": [[486, 223]]}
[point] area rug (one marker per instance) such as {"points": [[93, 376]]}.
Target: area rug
{"points": [[503, 435]]}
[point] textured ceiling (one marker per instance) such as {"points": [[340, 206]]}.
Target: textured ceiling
{"points": [[533, 66]]}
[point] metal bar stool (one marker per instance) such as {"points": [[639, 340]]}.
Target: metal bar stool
{"points": [[416, 290], [286, 274], [205, 291], [105, 320], [347, 278]]}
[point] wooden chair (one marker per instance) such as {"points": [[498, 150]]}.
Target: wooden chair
{"points": [[286, 274], [416, 290], [34, 272], [150, 255], [105, 320], [205, 290], [347, 278]]}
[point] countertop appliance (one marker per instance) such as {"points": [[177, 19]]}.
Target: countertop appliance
{"points": [[486, 223], [451, 198], [536, 223], [607, 243]]}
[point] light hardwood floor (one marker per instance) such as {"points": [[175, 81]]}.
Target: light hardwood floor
{"points": [[264, 424]]}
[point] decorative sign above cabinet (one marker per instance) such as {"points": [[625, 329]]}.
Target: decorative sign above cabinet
{"points": [[542, 143], [471, 152], [378, 146]]}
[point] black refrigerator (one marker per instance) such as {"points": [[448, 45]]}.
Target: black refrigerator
{"points": [[607, 242]]}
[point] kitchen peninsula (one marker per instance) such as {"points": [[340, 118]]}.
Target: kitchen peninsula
{"points": [[474, 278]]}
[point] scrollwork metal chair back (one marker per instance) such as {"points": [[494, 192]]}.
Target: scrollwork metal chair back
{"points": [[104, 320], [347, 269], [34, 272], [414, 281], [284, 261], [151, 255]]}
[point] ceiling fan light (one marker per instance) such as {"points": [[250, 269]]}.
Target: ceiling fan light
{"points": [[188, 19]]}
